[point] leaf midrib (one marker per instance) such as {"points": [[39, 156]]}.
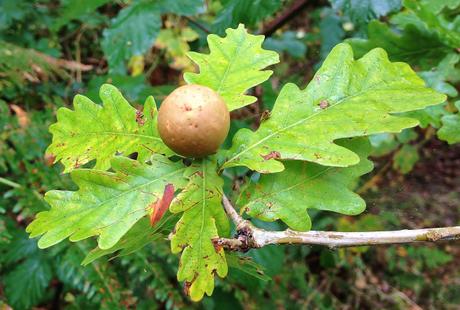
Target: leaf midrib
{"points": [[275, 193], [122, 193], [203, 206], [295, 124], [114, 133]]}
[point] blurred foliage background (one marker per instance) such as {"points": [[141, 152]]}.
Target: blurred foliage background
{"points": [[51, 50]]}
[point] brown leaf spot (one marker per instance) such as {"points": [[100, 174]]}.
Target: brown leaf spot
{"points": [[265, 116], [323, 104], [217, 246], [271, 155], [140, 118], [160, 206], [187, 286], [49, 159]]}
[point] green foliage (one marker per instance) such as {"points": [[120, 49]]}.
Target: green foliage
{"points": [[134, 30], [405, 158], [27, 282], [107, 204], [332, 32], [11, 11], [98, 132], [445, 71], [234, 65], [446, 27], [114, 205], [243, 11], [287, 195], [404, 46], [361, 12], [435, 24], [76, 9], [358, 95], [450, 130], [34, 85], [288, 43], [203, 219]]}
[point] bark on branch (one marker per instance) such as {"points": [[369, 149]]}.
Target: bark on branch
{"points": [[248, 236], [284, 17]]}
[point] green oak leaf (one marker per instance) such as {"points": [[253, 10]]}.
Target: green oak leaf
{"points": [[107, 204], [346, 98], [287, 195], [404, 46], [450, 130], [235, 64], [140, 235], [99, 132], [203, 219]]}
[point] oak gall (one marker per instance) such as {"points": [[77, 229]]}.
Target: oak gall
{"points": [[193, 121]]}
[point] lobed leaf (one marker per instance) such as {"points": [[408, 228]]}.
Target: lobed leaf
{"points": [[346, 98], [107, 204], [235, 64], [203, 219], [99, 132], [302, 186]]}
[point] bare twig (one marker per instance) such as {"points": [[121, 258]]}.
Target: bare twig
{"points": [[236, 218], [197, 24], [284, 17], [248, 236]]}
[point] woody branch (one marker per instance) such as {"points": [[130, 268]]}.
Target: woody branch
{"points": [[248, 236]]}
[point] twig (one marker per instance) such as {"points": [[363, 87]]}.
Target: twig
{"points": [[284, 17], [197, 24], [236, 218], [248, 236]]}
